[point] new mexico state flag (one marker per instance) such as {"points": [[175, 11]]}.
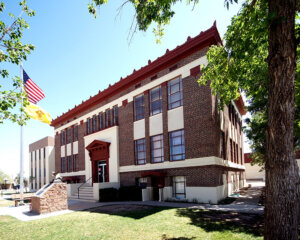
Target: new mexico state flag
{"points": [[38, 113]]}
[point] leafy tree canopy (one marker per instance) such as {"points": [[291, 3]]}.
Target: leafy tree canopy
{"points": [[12, 50]]}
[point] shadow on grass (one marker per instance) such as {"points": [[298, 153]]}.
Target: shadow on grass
{"points": [[131, 211], [165, 237], [224, 221]]}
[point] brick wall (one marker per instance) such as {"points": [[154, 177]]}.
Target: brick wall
{"points": [[208, 176], [54, 199]]}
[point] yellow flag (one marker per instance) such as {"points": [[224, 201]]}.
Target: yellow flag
{"points": [[38, 113]]}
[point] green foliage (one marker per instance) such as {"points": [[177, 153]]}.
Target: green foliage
{"points": [[3, 176], [240, 66], [25, 180], [12, 50]]}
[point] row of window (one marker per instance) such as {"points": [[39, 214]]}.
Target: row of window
{"points": [[233, 117], [177, 148], [44, 160], [175, 99], [235, 152], [68, 137], [67, 165], [103, 120]]}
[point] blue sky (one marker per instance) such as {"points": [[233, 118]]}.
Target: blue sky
{"points": [[76, 55]]}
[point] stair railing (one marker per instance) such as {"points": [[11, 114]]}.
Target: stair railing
{"points": [[82, 185]]}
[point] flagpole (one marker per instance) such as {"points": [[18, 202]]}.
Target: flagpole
{"points": [[21, 140]]}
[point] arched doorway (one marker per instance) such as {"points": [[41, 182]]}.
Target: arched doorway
{"points": [[99, 156]]}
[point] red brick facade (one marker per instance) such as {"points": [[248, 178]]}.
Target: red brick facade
{"points": [[202, 127]]}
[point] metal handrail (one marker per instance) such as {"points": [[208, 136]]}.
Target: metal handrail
{"points": [[82, 185]]}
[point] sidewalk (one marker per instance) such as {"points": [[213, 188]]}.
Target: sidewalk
{"points": [[246, 203]]}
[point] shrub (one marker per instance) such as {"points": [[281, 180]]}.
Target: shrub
{"points": [[130, 193], [108, 195]]}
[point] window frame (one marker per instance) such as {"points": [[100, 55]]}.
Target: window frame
{"points": [[161, 140], [63, 137], [108, 118], [115, 115], [101, 120], [69, 163], [174, 182], [63, 164], [180, 91], [136, 152], [69, 137], [75, 133], [136, 100], [152, 102], [94, 124], [75, 162], [172, 146], [89, 126]]}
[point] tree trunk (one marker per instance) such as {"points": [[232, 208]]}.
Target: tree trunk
{"points": [[281, 206]]}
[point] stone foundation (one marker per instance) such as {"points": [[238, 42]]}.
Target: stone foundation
{"points": [[54, 198]]}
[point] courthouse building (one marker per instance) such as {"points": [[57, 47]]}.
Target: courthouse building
{"points": [[41, 162], [156, 128]]}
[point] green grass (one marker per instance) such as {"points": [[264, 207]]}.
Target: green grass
{"points": [[153, 223], [6, 203]]}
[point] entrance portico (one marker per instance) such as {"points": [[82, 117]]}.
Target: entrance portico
{"points": [[99, 157]]}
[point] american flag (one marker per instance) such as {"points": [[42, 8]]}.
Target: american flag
{"points": [[34, 93]]}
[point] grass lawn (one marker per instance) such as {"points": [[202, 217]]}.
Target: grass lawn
{"points": [[6, 203], [145, 223]]}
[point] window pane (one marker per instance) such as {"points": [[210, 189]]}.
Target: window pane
{"points": [[175, 93]]}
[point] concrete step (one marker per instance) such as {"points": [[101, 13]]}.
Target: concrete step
{"points": [[75, 198]]}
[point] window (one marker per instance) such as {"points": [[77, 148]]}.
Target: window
{"points": [[63, 164], [142, 182], [44, 153], [222, 146], [140, 151], [179, 183], [175, 97], [63, 138], [69, 164], [95, 128], [75, 134], [139, 107], [39, 154], [157, 149], [75, 162], [44, 164], [115, 113], [177, 146], [101, 121], [107, 118], [231, 153], [155, 101], [89, 126], [68, 135]]}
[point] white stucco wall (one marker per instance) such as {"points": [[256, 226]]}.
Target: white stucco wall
{"points": [[62, 151], [107, 135], [75, 147], [69, 149], [175, 119], [253, 172], [155, 124], [139, 129]]}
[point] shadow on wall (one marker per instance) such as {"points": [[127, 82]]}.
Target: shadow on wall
{"points": [[219, 221], [131, 211]]}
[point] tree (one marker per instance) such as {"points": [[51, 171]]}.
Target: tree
{"points": [[266, 72], [12, 50], [25, 181], [3, 176]]}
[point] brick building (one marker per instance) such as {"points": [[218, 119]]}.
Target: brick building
{"points": [[157, 128], [41, 162]]}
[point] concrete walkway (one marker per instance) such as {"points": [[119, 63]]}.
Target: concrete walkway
{"points": [[246, 203]]}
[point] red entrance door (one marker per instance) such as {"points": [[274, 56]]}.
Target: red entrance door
{"points": [[99, 156]]}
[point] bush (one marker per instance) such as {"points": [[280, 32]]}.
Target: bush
{"points": [[108, 195], [131, 193]]}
